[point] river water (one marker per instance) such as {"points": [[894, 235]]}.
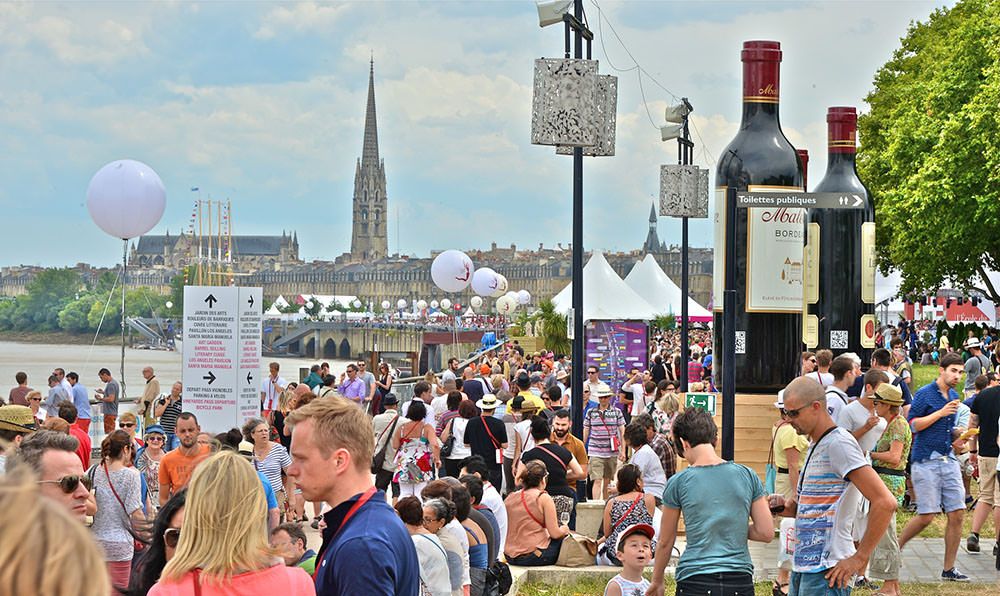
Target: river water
{"points": [[38, 360]]}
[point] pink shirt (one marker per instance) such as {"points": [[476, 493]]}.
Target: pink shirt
{"points": [[278, 579]]}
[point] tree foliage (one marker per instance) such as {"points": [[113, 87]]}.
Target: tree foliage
{"points": [[930, 154], [553, 328]]}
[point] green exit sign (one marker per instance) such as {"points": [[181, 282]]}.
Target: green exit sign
{"points": [[705, 401]]}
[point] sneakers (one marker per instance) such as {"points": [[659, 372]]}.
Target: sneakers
{"points": [[954, 575], [972, 544]]}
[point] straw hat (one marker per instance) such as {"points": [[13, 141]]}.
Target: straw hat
{"points": [[887, 393]]}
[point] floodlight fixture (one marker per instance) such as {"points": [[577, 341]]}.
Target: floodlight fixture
{"points": [[671, 131], [551, 12]]}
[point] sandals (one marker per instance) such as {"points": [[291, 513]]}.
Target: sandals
{"points": [[776, 589]]}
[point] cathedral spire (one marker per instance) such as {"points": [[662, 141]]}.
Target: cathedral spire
{"points": [[369, 152]]}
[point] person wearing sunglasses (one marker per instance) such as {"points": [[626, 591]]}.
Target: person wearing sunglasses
{"points": [[119, 504], [825, 557], [164, 535], [787, 449], [52, 457]]}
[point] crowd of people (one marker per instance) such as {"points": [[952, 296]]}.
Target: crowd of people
{"points": [[479, 470]]}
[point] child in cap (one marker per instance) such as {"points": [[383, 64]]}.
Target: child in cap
{"points": [[635, 551]]}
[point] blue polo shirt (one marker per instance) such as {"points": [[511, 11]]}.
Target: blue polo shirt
{"points": [[936, 437], [373, 554]]}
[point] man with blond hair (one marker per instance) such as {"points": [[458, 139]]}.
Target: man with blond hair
{"points": [[366, 548]]}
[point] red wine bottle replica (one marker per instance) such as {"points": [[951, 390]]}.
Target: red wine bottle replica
{"points": [[840, 272], [768, 241]]}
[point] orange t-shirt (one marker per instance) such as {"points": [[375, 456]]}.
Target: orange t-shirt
{"points": [[176, 468]]}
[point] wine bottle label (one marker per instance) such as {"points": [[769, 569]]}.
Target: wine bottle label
{"points": [[719, 263], [868, 331], [775, 237], [812, 263], [868, 262]]}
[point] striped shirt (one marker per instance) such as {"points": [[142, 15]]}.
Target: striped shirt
{"points": [[168, 420], [604, 425], [276, 460]]}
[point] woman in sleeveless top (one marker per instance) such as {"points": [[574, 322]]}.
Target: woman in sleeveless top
{"points": [[416, 451], [380, 388], [533, 533], [631, 506]]}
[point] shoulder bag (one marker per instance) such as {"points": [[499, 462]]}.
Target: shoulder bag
{"points": [[449, 445], [771, 472], [138, 543], [379, 458]]}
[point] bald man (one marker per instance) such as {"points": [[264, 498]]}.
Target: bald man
{"points": [[150, 393]]}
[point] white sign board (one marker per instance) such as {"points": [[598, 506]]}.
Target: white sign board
{"points": [[221, 356]]}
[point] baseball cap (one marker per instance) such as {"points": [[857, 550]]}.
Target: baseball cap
{"points": [[17, 418], [644, 529], [154, 428], [485, 369]]}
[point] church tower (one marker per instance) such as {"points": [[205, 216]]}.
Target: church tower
{"points": [[652, 244], [369, 234]]}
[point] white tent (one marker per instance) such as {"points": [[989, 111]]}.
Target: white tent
{"points": [[605, 296], [650, 282]]}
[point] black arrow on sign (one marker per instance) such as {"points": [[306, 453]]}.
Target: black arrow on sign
{"points": [[249, 378], [250, 301], [209, 377], [211, 300]]}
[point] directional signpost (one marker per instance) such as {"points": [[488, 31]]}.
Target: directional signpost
{"points": [[801, 200], [222, 333]]}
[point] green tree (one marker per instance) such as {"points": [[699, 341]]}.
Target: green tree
{"points": [[553, 328], [74, 316], [929, 151], [664, 322]]}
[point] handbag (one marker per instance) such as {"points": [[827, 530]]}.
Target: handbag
{"points": [[577, 550], [498, 579], [378, 460], [771, 472], [449, 445]]}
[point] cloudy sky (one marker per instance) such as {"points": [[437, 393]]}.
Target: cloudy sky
{"points": [[263, 103]]}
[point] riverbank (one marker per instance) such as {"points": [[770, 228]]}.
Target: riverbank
{"points": [[59, 338]]}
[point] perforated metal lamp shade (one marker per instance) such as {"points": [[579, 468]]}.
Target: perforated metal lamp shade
{"points": [[564, 102]]}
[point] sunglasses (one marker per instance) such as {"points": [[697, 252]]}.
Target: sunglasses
{"points": [[35, 399], [171, 536], [152, 438], [69, 484], [127, 425], [794, 413]]}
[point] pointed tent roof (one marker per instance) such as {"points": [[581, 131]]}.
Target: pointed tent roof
{"points": [[605, 295], [649, 281]]}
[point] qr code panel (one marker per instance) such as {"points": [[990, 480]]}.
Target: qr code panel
{"points": [[741, 342], [838, 339]]}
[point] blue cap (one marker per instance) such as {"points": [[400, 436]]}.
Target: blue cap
{"points": [[154, 428]]}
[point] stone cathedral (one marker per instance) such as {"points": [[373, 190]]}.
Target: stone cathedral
{"points": [[369, 233]]}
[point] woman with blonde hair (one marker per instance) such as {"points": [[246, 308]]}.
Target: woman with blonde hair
{"points": [[44, 550], [118, 490], [224, 549], [668, 404]]}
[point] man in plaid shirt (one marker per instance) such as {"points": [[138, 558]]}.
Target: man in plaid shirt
{"points": [[660, 445]]}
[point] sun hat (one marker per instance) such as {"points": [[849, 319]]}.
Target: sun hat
{"points": [[485, 369], [781, 400], [154, 428], [601, 390], [562, 374], [973, 342], [489, 402], [888, 393], [17, 418], [245, 448]]}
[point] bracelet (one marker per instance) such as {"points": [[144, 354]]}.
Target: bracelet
{"points": [[973, 451]]}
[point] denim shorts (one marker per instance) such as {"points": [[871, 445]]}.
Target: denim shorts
{"points": [[814, 584], [937, 484], [716, 584]]}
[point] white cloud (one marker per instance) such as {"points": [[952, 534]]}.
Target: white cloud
{"points": [[299, 17]]}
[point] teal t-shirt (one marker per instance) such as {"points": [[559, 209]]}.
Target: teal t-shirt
{"points": [[715, 501]]}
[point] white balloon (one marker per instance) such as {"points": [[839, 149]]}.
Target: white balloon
{"points": [[501, 286], [421, 304], [385, 305], [445, 304], [434, 304], [309, 304], [126, 198], [484, 281], [523, 297], [356, 303], [169, 304], [476, 301], [452, 270], [401, 304]]}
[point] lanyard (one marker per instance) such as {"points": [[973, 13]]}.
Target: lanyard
{"points": [[350, 512]]}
